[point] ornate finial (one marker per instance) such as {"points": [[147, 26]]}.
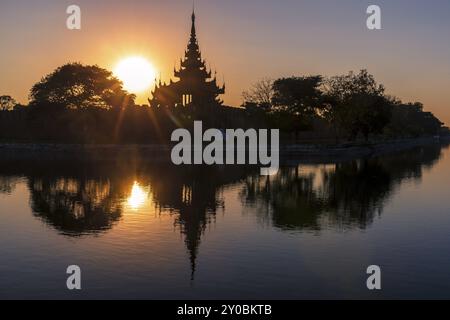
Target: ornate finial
{"points": [[193, 11], [193, 35]]}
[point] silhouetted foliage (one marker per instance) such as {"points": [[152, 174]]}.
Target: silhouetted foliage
{"points": [[260, 95], [358, 104], [298, 98], [86, 104], [74, 86], [409, 120], [348, 106]]}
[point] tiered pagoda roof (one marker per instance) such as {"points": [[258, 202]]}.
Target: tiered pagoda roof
{"points": [[196, 84]]}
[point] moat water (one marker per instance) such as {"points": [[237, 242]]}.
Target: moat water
{"points": [[150, 231]]}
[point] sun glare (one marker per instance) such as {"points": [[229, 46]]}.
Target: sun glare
{"points": [[137, 197], [136, 73]]}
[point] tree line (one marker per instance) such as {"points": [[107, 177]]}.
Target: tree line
{"points": [[350, 107], [87, 104]]}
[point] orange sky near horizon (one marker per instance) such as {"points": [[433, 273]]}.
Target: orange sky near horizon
{"points": [[244, 41]]}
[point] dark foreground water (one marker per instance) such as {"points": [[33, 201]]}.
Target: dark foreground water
{"points": [[149, 231]]}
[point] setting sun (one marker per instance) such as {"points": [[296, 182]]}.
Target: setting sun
{"points": [[136, 73]]}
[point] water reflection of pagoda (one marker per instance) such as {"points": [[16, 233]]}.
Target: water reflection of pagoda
{"points": [[196, 84], [195, 198]]}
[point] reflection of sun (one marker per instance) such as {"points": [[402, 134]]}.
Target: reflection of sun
{"points": [[136, 73], [137, 197]]}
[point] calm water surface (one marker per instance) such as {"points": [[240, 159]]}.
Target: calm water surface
{"points": [[150, 231]]}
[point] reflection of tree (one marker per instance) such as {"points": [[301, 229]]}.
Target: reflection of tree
{"points": [[74, 206], [7, 184], [75, 196], [281, 198], [356, 191], [349, 195], [78, 198], [87, 198]]}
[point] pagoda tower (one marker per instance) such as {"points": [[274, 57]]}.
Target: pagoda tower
{"points": [[196, 85]]}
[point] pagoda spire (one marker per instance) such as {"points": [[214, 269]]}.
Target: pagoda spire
{"points": [[195, 80], [193, 31]]}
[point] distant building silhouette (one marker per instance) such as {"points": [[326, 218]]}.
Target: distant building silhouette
{"points": [[196, 85]]}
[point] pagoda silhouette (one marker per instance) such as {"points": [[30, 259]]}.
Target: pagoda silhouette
{"points": [[196, 85]]}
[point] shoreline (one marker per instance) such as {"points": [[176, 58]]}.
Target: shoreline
{"points": [[160, 153]]}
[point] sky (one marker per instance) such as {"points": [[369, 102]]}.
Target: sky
{"points": [[244, 40]]}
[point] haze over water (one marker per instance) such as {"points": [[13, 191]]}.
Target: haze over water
{"points": [[149, 231]]}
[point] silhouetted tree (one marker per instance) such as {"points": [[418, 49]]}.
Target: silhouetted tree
{"points": [[296, 101], [410, 120], [260, 94], [357, 104], [75, 86], [298, 95]]}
